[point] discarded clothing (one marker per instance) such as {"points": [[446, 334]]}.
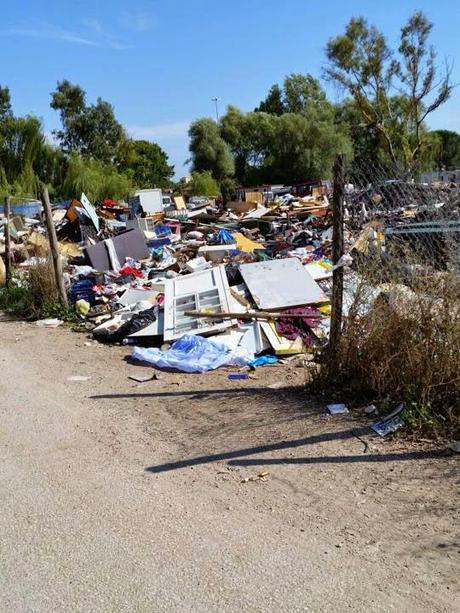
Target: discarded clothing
{"points": [[191, 354], [129, 270], [300, 326]]}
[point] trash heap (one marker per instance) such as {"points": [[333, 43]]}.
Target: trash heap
{"points": [[194, 285]]}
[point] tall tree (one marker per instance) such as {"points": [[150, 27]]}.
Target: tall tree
{"points": [[447, 149], [203, 184], [208, 149], [394, 91], [146, 163], [273, 103], [289, 148], [300, 93], [21, 145], [90, 130]]}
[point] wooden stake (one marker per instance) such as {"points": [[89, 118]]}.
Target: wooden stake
{"points": [[54, 247], [337, 252], [253, 315], [7, 241]]}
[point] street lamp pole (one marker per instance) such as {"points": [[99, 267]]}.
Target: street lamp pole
{"points": [[215, 100]]}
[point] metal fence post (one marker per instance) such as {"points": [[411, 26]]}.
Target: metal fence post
{"points": [[337, 252]]}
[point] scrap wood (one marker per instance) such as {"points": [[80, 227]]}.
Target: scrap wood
{"points": [[241, 299], [250, 315]]}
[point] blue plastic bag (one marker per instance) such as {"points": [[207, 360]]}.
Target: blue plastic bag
{"points": [[263, 360], [225, 237], [191, 354]]}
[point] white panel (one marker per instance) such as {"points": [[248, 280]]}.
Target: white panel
{"points": [[207, 289], [278, 284], [90, 210]]}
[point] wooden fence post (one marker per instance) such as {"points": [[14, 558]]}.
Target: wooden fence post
{"points": [[6, 211], [337, 252], [54, 247]]}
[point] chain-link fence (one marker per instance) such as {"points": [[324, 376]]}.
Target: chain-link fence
{"points": [[409, 222], [400, 323]]}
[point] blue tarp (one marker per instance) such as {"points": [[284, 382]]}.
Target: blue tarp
{"points": [[191, 354]]}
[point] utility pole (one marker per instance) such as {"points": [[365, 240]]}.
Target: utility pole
{"points": [[7, 241], [216, 100], [54, 247]]}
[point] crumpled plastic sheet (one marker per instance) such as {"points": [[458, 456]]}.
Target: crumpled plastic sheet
{"points": [[192, 354], [225, 237], [263, 360]]}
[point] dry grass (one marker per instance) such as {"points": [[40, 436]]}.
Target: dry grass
{"points": [[33, 294], [403, 345], [42, 287]]}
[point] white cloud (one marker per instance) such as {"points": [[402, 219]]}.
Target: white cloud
{"points": [[137, 22], [163, 131], [52, 32], [93, 24]]}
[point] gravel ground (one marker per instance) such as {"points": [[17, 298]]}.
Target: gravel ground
{"points": [[196, 493]]}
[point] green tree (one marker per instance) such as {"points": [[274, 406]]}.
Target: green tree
{"points": [[21, 143], [250, 137], [204, 184], [90, 130], [208, 149], [292, 147], [300, 94], [5, 103], [146, 163], [394, 91], [446, 149], [303, 94], [365, 140], [304, 148], [95, 179], [273, 103]]}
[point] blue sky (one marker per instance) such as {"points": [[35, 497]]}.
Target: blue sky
{"points": [[160, 62]]}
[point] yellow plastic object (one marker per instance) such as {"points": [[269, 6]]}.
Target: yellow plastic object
{"points": [[82, 307], [246, 244]]}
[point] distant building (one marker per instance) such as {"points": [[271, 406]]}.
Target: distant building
{"points": [[443, 176]]}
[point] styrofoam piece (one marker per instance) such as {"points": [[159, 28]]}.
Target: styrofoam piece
{"points": [[131, 296], [197, 264]]}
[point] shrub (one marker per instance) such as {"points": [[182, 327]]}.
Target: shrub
{"points": [[34, 295], [404, 346]]}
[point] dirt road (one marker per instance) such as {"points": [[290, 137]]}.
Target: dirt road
{"points": [[119, 496]]}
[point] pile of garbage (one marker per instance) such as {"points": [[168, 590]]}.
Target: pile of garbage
{"points": [[193, 285]]}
